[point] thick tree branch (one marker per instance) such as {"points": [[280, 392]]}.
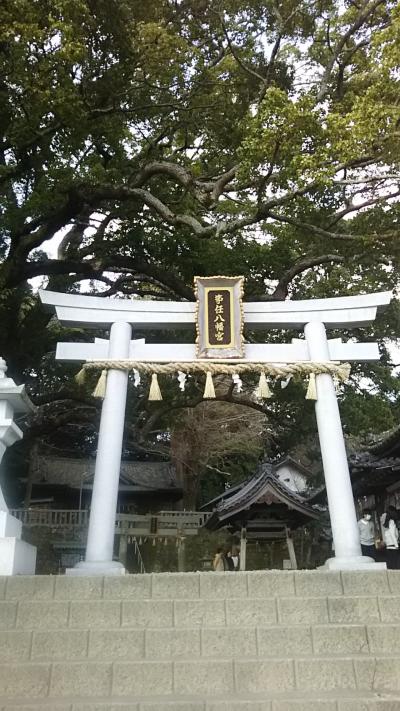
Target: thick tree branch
{"points": [[313, 228], [281, 291], [73, 238], [65, 395], [367, 203], [95, 268]]}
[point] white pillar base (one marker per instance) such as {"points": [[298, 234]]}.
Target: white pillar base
{"points": [[9, 526], [106, 567], [16, 557], [360, 562]]}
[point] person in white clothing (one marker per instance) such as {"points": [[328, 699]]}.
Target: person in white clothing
{"points": [[390, 535], [218, 562], [367, 534]]}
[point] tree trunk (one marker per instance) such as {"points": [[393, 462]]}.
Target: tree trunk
{"points": [[185, 461]]}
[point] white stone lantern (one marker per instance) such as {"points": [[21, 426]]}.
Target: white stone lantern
{"points": [[16, 556]]}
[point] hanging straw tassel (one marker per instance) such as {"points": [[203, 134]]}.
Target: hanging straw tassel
{"points": [[81, 377], [100, 389], [209, 392], [155, 392], [311, 393], [263, 390]]}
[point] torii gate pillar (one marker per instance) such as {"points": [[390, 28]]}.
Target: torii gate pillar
{"points": [[100, 542], [342, 512]]}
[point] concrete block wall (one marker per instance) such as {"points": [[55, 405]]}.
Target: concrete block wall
{"points": [[257, 641]]}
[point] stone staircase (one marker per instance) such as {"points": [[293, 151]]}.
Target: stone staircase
{"points": [[257, 641]]}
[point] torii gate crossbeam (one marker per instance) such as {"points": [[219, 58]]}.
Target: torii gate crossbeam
{"points": [[120, 315]]}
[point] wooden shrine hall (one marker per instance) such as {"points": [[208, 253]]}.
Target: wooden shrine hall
{"points": [[375, 473], [262, 508]]}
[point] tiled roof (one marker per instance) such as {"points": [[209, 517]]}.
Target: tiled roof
{"points": [[266, 484], [72, 472], [388, 444]]}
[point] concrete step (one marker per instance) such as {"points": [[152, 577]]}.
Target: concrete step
{"points": [[275, 641], [263, 643], [300, 703]]}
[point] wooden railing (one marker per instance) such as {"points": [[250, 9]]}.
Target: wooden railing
{"points": [[163, 523], [52, 517], [187, 518]]}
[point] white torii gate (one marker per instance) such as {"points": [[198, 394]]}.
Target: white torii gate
{"points": [[121, 315]]}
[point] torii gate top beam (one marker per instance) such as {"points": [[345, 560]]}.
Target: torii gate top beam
{"points": [[97, 312]]}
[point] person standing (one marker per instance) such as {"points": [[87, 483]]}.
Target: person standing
{"points": [[367, 534], [236, 558], [229, 564], [218, 562], [391, 537]]}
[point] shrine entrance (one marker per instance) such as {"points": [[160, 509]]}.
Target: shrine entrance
{"points": [[219, 316], [262, 510]]}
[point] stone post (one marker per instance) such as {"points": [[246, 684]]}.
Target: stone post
{"points": [[243, 542], [100, 542], [123, 549], [181, 555], [342, 512], [291, 550]]}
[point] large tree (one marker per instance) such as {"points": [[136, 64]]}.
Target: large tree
{"points": [[169, 125], [157, 140]]}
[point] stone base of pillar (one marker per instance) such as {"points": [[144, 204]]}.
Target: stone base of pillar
{"points": [[360, 562], [10, 527], [16, 557], [88, 568]]}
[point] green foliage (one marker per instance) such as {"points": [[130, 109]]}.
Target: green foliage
{"points": [[155, 141]]}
